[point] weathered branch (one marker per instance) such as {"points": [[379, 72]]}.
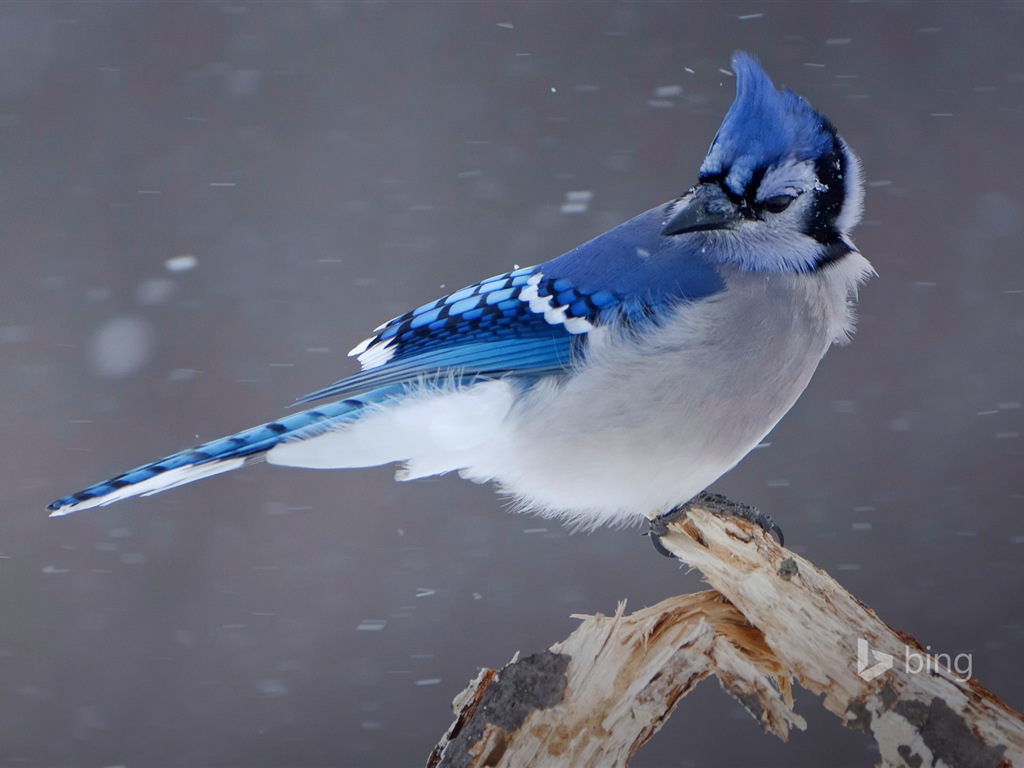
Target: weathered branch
{"points": [[598, 696]]}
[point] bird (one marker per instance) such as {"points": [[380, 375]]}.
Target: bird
{"points": [[615, 382]]}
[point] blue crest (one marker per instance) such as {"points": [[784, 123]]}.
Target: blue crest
{"points": [[764, 128]]}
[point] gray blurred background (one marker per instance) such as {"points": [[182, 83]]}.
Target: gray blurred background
{"points": [[206, 205]]}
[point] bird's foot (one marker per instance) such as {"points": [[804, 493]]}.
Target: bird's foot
{"points": [[716, 504]]}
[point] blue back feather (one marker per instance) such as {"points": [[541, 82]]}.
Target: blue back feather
{"points": [[636, 263]]}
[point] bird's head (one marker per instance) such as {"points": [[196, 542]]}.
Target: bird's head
{"points": [[779, 190]]}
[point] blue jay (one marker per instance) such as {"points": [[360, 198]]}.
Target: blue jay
{"points": [[617, 381]]}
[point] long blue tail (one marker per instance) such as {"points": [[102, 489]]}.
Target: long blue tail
{"points": [[217, 456]]}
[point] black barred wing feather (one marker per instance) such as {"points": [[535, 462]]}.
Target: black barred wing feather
{"points": [[517, 323]]}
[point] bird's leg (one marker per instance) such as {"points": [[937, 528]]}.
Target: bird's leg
{"points": [[716, 504]]}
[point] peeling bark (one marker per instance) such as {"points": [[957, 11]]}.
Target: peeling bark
{"points": [[771, 617]]}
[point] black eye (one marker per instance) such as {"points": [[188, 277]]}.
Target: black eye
{"points": [[777, 204]]}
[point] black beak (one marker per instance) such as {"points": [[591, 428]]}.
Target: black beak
{"points": [[704, 208]]}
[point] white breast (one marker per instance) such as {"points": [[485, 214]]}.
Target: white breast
{"points": [[647, 425]]}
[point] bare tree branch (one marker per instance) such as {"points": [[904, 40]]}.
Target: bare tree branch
{"points": [[598, 696]]}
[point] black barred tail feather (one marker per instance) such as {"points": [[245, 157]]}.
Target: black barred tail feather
{"points": [[216, 456]]}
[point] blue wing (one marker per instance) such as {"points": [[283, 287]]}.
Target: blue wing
{"points": [[534, 321], [521, 322]]}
